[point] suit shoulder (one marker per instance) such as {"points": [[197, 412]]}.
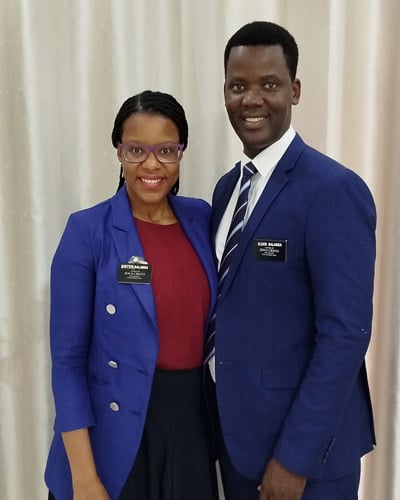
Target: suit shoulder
{"points": [[227, 179], [327, 168], [319, 161], [234, 171], [325, 180]]}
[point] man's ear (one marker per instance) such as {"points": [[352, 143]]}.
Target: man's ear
{"points": [[296, 86]]}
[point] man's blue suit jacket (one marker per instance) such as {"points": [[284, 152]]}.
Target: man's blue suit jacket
{"points": [[104, 336], [291, 335]]}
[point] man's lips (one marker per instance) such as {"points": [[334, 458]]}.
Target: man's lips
{"points": [[254, 122], [254, 119]]}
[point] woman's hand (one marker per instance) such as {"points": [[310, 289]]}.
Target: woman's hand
{"points": [[90, 490], [86, 483]]}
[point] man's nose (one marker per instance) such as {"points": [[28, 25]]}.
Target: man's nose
{"points": [[253, 97]]}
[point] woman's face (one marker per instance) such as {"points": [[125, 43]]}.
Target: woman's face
{"points": [[149, 182]]}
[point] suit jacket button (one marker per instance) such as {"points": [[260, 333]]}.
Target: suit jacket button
{"points": [[110, 308], [112, 364], [114, 406]]}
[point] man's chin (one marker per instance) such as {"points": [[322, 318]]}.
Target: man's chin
{"points": [[252, 147]]}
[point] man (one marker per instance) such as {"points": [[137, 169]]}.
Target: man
{"points": [[293, 320]]}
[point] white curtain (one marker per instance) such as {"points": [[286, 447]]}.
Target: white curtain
{"points": [[65, 68]]}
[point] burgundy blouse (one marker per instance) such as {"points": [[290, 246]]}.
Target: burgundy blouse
{"points": [[181, 293]]}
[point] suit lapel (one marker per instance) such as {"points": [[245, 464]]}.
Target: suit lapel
{"points": [[127, 244], [274, 187]]}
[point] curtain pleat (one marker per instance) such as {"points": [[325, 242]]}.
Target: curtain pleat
{"points": [[65, 69]]}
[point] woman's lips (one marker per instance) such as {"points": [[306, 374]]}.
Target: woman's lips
{"points": [[152, 182]]}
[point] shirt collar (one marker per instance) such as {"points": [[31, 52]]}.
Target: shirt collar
{"points": [[269, 157]]}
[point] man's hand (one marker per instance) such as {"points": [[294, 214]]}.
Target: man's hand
{"points": [[279, 483]]}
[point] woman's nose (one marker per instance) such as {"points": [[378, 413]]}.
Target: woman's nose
{"points": [[151, 162]]}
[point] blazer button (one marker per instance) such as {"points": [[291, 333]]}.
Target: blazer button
{"points": [[114, 406], [110, 308], [112, 364]]}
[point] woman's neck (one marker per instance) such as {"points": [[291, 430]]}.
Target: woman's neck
{"points": [[156, 215]]}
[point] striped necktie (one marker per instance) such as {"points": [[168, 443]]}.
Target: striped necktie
{"points": [[231, 244]]}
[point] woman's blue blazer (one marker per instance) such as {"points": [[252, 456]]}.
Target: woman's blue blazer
{"points": [[104, 337]]}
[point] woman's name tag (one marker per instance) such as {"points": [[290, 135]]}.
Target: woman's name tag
{"points": [[137, 270]]}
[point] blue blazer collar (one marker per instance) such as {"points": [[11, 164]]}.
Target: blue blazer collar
{"points": [[122, 213], [127, 242]]}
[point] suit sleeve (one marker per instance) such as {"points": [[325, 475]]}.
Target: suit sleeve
{"points": [[71, 309], [340, 255]]}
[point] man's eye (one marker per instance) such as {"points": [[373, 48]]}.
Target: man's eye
{"points": [[136, 150], [270, 85], [237, 87]]}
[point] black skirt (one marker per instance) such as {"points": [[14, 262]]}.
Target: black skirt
{"points": [[175, 459]]}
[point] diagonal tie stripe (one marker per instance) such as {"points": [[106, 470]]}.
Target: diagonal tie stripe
{"points": [[236, 226], [231, 244]]}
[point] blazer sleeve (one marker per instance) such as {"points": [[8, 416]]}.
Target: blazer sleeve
{"points": [[340, 256], [72, 287]]}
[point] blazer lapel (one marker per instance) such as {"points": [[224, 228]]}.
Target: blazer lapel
{"points": [[127, 245], [194, 231]]}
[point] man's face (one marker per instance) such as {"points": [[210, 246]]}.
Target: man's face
{"points": [[259, 94]]}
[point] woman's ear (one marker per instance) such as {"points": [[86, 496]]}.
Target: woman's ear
{"points": [[119, 154]]}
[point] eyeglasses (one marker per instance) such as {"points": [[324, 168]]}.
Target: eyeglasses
{"points": [[137, 152]]}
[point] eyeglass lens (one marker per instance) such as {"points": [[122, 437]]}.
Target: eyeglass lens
{"points": [[166, 152]]}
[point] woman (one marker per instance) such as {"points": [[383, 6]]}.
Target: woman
{"points": [[132, 284]]}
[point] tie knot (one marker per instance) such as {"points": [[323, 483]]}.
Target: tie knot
{"points": [[249, 169]]}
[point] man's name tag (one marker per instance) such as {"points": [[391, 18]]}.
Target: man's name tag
{"points": [[272, 250], [135, 273]]}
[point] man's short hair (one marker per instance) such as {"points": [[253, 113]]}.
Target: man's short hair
{"points": [[265, 33]]}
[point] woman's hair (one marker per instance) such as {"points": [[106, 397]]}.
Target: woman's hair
{"points": [[157, 103], [265, 33]]}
